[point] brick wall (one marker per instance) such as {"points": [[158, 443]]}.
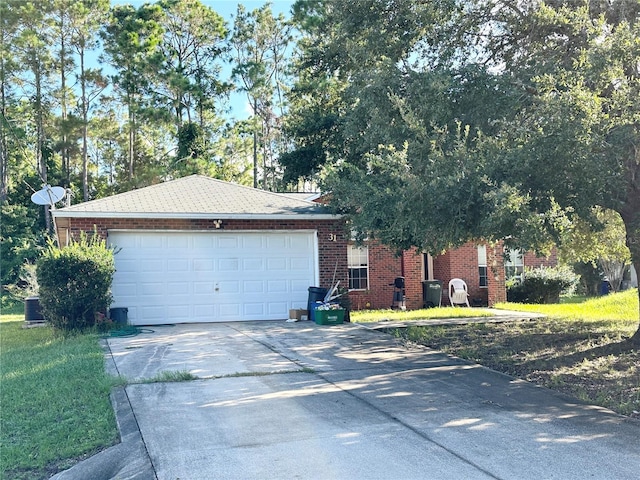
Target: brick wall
{"points": [[384, 267], [496, 289], [332, 241], [461, 263], [531, 260]]}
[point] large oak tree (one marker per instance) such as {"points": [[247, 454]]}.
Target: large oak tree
{"points": [[466, 119]]}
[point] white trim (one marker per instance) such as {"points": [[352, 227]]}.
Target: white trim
{"points": [[198, 216], [316, 253], [221, 230]]}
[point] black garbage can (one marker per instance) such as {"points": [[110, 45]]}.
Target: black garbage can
{"points": [[316, 294], [32, 312], [119, 315], [431, 293]]}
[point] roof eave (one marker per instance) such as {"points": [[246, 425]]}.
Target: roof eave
{"points": [[198, 216]]}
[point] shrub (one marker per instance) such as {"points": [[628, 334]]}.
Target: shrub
{"points": [[75, 282], [542, 285]]}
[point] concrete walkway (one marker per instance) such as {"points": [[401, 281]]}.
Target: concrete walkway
{"points": [[276, 400]]}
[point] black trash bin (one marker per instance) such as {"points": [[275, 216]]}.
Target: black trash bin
{"points": [[316, 294], [431, 293], [119, 315], [32, 312]]}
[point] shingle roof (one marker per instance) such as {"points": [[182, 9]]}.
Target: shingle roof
{"points": [[196, 196]]}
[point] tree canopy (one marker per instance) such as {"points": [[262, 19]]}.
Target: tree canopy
{"points": [[468, 119]]}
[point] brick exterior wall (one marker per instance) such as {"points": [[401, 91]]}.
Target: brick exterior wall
{"points": [[384, 267], [384, 264], [531, 260], [332, 241]]}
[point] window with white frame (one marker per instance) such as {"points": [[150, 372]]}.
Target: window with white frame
{"points": [[482, 266], [514, 264], [358, 264]]}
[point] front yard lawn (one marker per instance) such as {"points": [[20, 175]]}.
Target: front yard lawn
{"points": [[55, 400]]}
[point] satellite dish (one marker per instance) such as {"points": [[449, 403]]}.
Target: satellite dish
{"points": [[48, 195]]}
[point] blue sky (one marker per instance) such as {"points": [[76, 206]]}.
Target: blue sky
{"points": [[227, 9]]}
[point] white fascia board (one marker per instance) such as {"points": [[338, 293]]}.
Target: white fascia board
{"points": [[197, 216]]}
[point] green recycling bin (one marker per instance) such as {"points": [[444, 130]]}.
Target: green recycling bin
{"points": [[431, 293]]}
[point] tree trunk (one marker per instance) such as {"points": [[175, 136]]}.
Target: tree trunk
{"points": [[41, 162], [255, 148], [64, 153], [4, 151], [85, 129], [630, 214], [131, 135]]}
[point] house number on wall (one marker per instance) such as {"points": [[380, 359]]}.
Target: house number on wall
{"points": [[333, 237]]}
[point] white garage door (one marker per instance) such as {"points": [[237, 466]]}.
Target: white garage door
{"points": [[180, 277]]}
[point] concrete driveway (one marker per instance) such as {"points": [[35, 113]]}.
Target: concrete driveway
{"points": [[276, 400]]}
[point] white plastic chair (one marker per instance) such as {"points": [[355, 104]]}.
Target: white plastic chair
{"points": [[458, 292]]}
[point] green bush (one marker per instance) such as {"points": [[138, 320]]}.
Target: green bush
{"points": [[542, 285], [75, 282]]}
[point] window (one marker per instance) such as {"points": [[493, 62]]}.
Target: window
{"points": [[513, 265], [358, 263], [482, 265]]}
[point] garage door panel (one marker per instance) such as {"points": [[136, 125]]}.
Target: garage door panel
{"points": [[149, 265], [277, 308], [252, 264], [277, 286], [228, 242], [253, 287], [175, 241], [228, 287], [300, 243], [125, 266], [254, 309], [252, 242], [204, 311], [203, 287], [169, 277], [228, 265], [278, 264], [152, 288], [230, 311], [122, 289], [154, 312], [181, 265], [178, 288], [277, 242], [301, 264], [299, 285], [203, 265], [151, 241]]}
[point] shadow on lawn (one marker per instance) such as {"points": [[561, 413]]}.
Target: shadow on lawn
{"points": [[589, 362]]}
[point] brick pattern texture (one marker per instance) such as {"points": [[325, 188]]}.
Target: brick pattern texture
{"points": [[384, 264]]}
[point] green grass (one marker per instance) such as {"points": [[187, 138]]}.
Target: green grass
{"points": [[54, 398], [620, 308], [169, 376], [427, 313], [580, 349]]}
